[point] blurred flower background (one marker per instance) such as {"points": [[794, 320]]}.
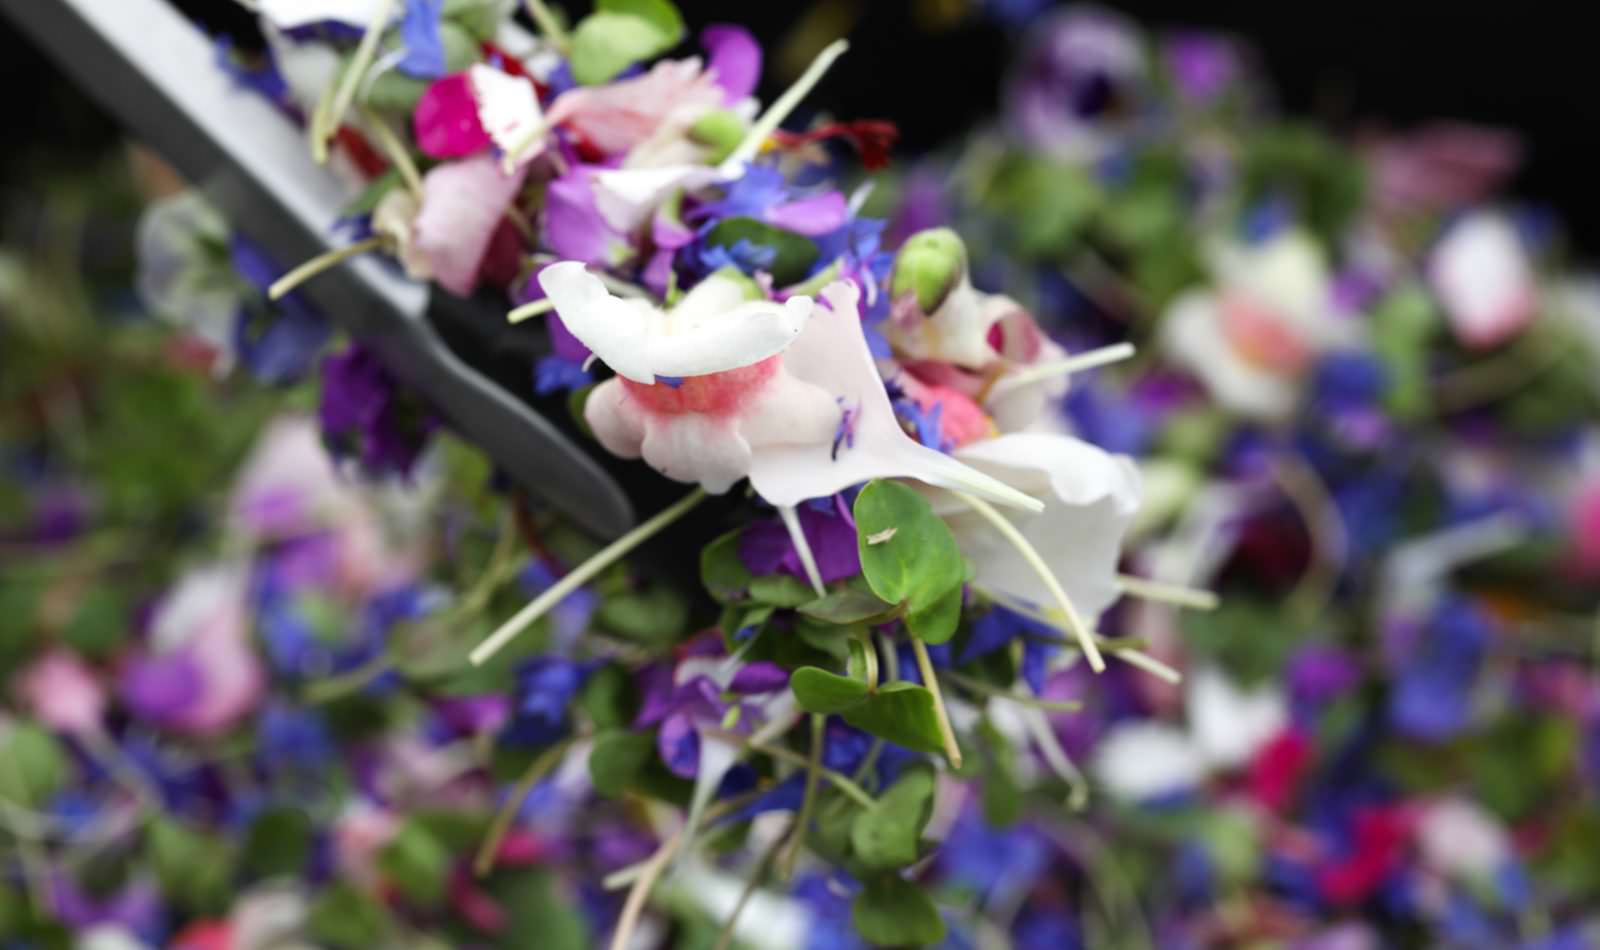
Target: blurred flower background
{"points": [[1350, 248]]}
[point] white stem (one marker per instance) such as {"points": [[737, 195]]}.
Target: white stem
{"points": [[1056, 757], [528, 311], [634, 905], [1115, 353], [547, 23], [797, 536], [1148, 663], [581, 574], [780, 109], [345, 94], [320, 263], [1129, 655], [1031, 555], [1175, 594], [943, 471]]}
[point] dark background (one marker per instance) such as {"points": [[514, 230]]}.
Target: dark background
{"points": [[936, 72]]}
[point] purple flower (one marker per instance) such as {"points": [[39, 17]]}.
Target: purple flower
{"points": [[1080, 83], [735, 57], [766, 548], [365, 414], [573, 226], [1202, 66]]}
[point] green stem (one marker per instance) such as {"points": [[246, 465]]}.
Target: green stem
{"points": [[984, 689], [952, 750], [808, 803], [537, 770], [581, 574]]}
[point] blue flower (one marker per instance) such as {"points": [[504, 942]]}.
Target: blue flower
{"points": [[290, 736], [546, 686], [263, 77], [555, 374], [747, 257], [1112, 422], [424, 42], [1432, 692]]}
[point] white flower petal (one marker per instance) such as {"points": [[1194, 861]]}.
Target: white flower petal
{"points": [[832, 355], [290, 14], [508, 107], [1481, 274], [1458, 837], [1231, 724], [1091, 497], [1141, 760], [627, 197], [1192, 335], [463, 203], [641, 342]]}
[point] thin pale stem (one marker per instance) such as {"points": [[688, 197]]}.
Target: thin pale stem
{"points": [[345, 93], [320, 263], [396, 151], [1025, 548], [1092, 359], [1056, 757], [725, 938], [582, 574], [1175, 594], [528, 311], [640, 894], [952, 750], [1022, 699], [1126, 652], [797, 537], [549, 26], [838, 779], [537, 770], [780, 109], [808, 803]]}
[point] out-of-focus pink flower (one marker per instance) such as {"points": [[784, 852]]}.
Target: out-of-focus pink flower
{"points": [[359, 834], [63, 692], [200, 673], [463, 204], [446, 122], [1480, 272], [1440, 167], [616, 117]]}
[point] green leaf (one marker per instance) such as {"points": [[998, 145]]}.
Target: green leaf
{"points": [[1403, 326], [620, 33], [34, 766], [657, 615], [278, 843], [888, 835], [417, 863], [722, 572], [902, 713], [908, 554], [936, 622], [345, 919], [819, 691], [541, 910], [850, 603], [191, 865], [608, 698], [97, 629], [891, 912], [617, 759], [795, 253], [1002, 796], [781, 590]]}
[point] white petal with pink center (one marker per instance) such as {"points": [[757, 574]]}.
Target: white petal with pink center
{"points": [[1480, 272], [765, 390], [715, 327], [508, 106], [1090, 498], [1252, 338]]}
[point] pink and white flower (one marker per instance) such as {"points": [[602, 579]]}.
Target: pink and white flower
{"points": [[1251, 338], [1481, 275], [63, 692], [786, 394]]}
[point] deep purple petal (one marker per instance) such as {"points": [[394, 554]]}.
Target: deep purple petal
{"points": [[760, 677]]}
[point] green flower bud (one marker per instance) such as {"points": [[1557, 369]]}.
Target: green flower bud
{"points": [[931, 264], [721, 130]]}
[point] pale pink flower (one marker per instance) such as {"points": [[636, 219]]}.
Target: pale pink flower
{"points": [[1480, 272], [62, 692]]}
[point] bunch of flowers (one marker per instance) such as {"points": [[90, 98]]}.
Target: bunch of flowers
{"points": [[1366, 412], [336, 728]]}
